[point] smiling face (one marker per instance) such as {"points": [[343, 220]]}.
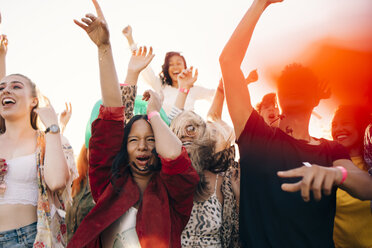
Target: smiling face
{"points": [[176, 65], [345, 131], [17, 97], [141, 142]]}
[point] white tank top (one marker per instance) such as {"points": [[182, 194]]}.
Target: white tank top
{"points": [[122, 233], [21, 181]]}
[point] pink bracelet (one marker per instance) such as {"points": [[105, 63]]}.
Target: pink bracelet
{"points": [[152, 114], [344, 174], [124, 84], [184, 90]]}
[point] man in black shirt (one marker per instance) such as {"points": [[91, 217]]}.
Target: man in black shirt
{"points": [[272, 159]]}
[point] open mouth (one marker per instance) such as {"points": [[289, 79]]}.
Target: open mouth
{"points": [[142, 160], [187, 143], [341, 137], [7, 101], [142, 163], [175, 73]]}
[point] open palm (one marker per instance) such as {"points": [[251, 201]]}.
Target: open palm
{"points": [[140, 59]]}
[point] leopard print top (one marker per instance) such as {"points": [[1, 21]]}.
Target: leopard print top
{"points": [[229, 227], [128, 96], [203, 228]]}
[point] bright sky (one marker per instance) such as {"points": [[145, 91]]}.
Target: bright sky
{"points": [[45, 44]]}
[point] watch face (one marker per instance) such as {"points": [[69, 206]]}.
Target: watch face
{"points": [[54, 128]]}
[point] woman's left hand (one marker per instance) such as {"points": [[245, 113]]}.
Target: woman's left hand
{"points": [[66, 114], [47, 116], [186, 79]]}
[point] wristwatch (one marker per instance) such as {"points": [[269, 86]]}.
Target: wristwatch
{"points": [[52, 129]]}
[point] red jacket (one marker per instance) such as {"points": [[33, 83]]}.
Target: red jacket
{"points": [[166, 203]]}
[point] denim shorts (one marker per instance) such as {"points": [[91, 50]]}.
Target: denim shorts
{"points": [[23, 237]]}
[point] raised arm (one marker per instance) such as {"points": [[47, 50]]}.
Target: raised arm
{"points": [[139, 60], [167, 143], [186, 80], [108, 128], [148, 74], [56, 170], [237, 95], [3, 51], [215, 110], [97, 30]]}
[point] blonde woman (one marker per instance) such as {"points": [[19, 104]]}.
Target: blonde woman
{"points": [[34, 168]]}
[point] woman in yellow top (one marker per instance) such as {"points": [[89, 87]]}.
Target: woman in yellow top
{"points": [[353, 220]]}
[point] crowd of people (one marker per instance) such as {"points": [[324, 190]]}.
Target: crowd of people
{"points": [[139, 182]]}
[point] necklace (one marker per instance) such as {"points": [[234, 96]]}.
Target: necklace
{"points": [[289, 131]]}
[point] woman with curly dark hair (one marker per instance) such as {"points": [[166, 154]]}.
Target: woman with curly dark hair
{"points": [[167, 83]]}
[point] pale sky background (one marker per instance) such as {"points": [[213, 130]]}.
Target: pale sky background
{"points": [[45, 44]]}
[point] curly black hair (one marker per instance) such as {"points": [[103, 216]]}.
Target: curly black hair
{"points": [[164, 74]]}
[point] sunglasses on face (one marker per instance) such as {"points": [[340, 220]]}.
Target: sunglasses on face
{"points": [[190, 130]]}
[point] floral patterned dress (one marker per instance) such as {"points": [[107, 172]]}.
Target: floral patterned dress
{"points": [[51, 227]]}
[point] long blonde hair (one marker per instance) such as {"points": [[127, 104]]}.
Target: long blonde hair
{"points": [[201, 149]]}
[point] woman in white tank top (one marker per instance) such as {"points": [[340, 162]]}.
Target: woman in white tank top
{"points": [[33, 167]]}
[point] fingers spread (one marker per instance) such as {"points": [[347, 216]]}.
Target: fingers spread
{"points": [[81, 25], [306, 184], [291, 187], [139, 51], [144, 51], [298, 172], [91, 17], [328, 185], [317, 186], [86, 21]]}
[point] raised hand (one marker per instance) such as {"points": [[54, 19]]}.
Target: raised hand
{"points": [[154, 101], [268, 2], [3, 45], [65, 116], [252, 77], [314, 177], [47, 115], [140, 59], [127, 31], [96, 26], [324, 90], [186, 79]]}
